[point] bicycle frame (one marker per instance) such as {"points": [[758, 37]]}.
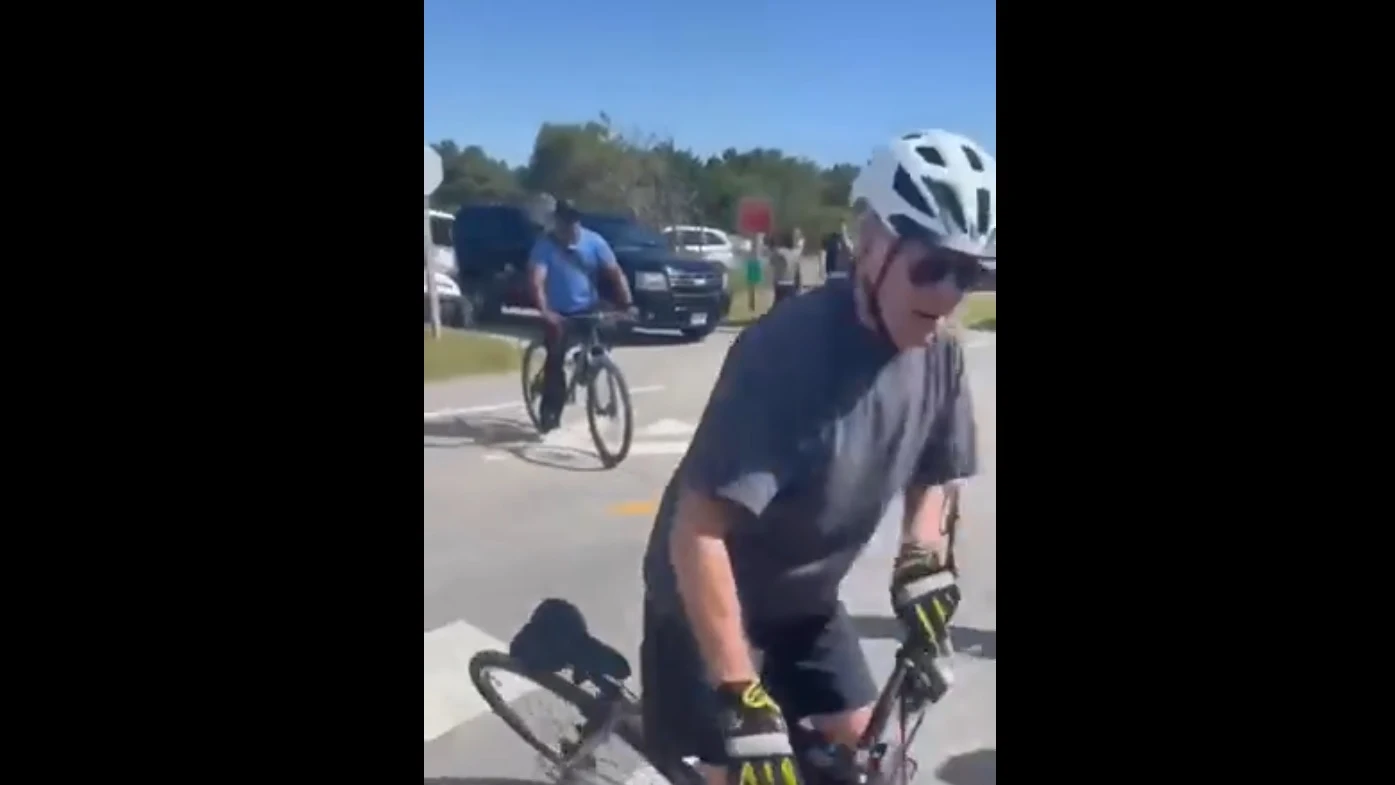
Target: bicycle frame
{"points": [[620, 705], [873, 761], [584, 348], [587, 350], [915, 684]]}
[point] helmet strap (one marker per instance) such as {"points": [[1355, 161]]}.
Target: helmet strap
{"points": [[874, 305]]}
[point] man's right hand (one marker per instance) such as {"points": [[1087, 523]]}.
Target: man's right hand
{"points": [[757, 738]]}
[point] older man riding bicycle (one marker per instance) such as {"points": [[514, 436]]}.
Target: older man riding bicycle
{"points": [[825, 409]]}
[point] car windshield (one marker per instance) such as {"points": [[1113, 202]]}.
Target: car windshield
{"points": [[623, 232]]}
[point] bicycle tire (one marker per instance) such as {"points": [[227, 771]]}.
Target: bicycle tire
{"points": [[531, 367], [599, 366], [589, 705]]}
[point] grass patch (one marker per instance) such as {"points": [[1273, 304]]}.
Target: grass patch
{"points": [[979, 311], [741, 312], [464, 354]]}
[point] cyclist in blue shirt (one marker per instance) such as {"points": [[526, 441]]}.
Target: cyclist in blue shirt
{"points": [[563, 266]]}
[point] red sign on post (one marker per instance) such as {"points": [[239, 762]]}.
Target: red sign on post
{"points": [[754, 216]]}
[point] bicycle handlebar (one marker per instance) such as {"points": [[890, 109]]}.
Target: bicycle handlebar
{"points": [[599, 317]]}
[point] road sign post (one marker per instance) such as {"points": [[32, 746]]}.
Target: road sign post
{"points": [[753, 272], [755, 219], [431, 180]]}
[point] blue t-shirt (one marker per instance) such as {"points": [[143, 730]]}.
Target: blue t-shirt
{"points": [[569, 290]]}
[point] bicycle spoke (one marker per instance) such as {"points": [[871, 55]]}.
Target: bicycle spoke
{"points": [[605, 396], [610, 422]]}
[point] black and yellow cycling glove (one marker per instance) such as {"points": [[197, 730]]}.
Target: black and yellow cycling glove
{"points": [[924, 597], [757, 739]]}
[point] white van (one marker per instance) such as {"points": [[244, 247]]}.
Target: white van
{"points": [[443, 270], [442, 241]]}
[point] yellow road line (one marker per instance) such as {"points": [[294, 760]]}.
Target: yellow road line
{"points": [[634, 508]]}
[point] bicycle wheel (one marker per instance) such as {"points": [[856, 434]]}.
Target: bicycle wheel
{"points": [[606, 379], [532, 381], [616, 767]]}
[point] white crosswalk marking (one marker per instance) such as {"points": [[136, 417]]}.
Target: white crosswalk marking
{"points": [[664, 437], [646, 775], [667, 428], [449, 697]]}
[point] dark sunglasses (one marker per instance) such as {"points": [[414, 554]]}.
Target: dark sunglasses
{"points": [[940, 263]]}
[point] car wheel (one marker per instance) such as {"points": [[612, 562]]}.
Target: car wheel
{"points": [[453, 313], [466, 312], [476, 308], [450, 313], [487, 309]]}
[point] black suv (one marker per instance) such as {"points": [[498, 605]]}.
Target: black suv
{"points": [[671, 291]]}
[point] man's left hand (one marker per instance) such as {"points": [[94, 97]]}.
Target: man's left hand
{"points": [[924, 596]]}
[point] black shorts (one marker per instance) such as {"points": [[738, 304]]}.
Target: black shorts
{"points": [[810, 666]]}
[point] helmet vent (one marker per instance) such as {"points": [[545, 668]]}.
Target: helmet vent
{"points": [[931, 156], [905, 188], [948, 201], [975, 162], [907, 227]]}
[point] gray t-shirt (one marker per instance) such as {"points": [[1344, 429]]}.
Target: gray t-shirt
{"points": [[814, 426]]}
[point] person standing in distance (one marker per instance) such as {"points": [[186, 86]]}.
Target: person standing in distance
{"points": [[563, 266], [784, 266], [835, 251], [824, 410]]}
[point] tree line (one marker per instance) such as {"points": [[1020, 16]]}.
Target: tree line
{"points": [[604, 169]]}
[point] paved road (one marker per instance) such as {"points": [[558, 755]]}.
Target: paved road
{"points": [[511, 520]]}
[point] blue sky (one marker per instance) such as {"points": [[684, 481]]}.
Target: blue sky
{"points": [[822, 79]]}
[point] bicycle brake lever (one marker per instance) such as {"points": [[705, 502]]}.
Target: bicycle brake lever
{"points": [[930, 680], [941, 664], [903, 768]]}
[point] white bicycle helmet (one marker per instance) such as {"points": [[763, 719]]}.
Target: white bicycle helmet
{"points": [[938, 185]]}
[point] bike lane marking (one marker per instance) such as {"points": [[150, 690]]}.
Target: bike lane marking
{"points": [[633, 509]]}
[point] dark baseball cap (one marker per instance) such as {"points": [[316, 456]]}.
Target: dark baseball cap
{"points": [[566, 211]]}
